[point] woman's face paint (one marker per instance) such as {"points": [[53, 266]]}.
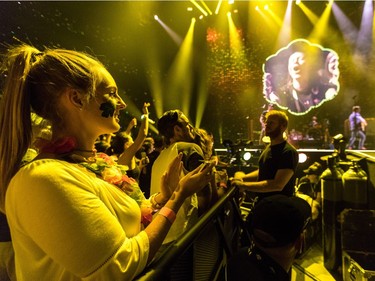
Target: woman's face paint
{"points": [[108, 108]]}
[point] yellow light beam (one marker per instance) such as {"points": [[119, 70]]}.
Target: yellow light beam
{"points": [[180, 74], [278, 21], [155, 81], [310, 15], [199, 7], [270, 23], [234, 38], [201, 101], [206, 7], [285, 33], [321, 26], [218, 6]]}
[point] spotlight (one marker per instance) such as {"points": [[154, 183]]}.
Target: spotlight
{"points": [[201, 17], [156, 17], [266, 7], [257, 8], [339, 144], [237, 152], [246, 155], [339, 141], [338, 137], [298, 2], [302, 157]]}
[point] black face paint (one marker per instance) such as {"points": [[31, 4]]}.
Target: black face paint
{"points": [[108, 108]]}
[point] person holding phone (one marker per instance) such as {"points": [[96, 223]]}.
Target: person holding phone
{"points": [[179, 136]]}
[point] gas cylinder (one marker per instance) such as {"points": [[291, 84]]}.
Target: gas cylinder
{"points": [[332, 205], [354, 182]]}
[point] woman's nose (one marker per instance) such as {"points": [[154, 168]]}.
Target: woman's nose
{"points": [[121, 104]]}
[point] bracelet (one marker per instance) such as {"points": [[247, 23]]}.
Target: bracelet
{"points": [[154, 203], [168, 213]]}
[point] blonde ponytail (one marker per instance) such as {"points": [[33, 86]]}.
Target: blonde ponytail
{"points": [[15, 120]]}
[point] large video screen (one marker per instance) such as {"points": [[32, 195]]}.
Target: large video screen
{"points": [[301, 76]]}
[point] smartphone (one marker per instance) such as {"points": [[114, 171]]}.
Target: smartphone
{"points": [[206, 163], [144, 158]]}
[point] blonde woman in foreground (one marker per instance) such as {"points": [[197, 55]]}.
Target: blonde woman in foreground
{"points": [[73, 213]]}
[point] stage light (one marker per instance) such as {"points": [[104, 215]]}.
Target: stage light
{"points": [[298, 2], [156, 17], [266, 7], [206, 7], [201, 17], [302, 157], [229, 14], [257, 8], [190, 9], [230, 2], [338, 137], [246, 155], [199, 7], [218, 7], [238, 154]]}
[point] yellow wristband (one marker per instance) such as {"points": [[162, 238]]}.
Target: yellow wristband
{"points": [[168, 213]]}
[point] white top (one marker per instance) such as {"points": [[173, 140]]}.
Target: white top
{"points": [[187, 216], [67, 224]]}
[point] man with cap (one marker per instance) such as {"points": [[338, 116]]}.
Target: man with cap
{"points": [[310, 183], [357, 128], [277, 230]]}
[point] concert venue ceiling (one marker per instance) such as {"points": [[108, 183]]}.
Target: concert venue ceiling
{"points": [[211, 68]]}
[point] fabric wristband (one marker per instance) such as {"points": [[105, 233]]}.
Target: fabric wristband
{"points": [[168, 213]]}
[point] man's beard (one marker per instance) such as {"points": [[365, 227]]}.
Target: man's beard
{"points": [[274, 133], [187, 137]]}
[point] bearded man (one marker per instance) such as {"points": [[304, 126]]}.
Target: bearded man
{"points": [[277, 163]]}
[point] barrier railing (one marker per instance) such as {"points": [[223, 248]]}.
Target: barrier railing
{"points": [[213, 239]]}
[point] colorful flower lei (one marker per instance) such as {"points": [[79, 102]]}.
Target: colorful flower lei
{"points": [[106, 168]]}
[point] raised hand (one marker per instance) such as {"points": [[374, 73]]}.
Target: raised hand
{"points": [[145, 108], [195, 180], [171, 178]]}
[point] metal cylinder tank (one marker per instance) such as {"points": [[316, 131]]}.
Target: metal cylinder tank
{"points": [[355, 187], [332, 205]]}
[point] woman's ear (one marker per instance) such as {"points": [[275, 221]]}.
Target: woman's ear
{"points": [[75, 98]]}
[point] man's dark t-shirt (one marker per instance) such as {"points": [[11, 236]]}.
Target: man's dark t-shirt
{"points": [[274, 158]]}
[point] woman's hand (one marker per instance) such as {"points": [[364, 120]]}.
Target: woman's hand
{"points": [[133, 122], [145, 108], [171, 178], [195, 180]]}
